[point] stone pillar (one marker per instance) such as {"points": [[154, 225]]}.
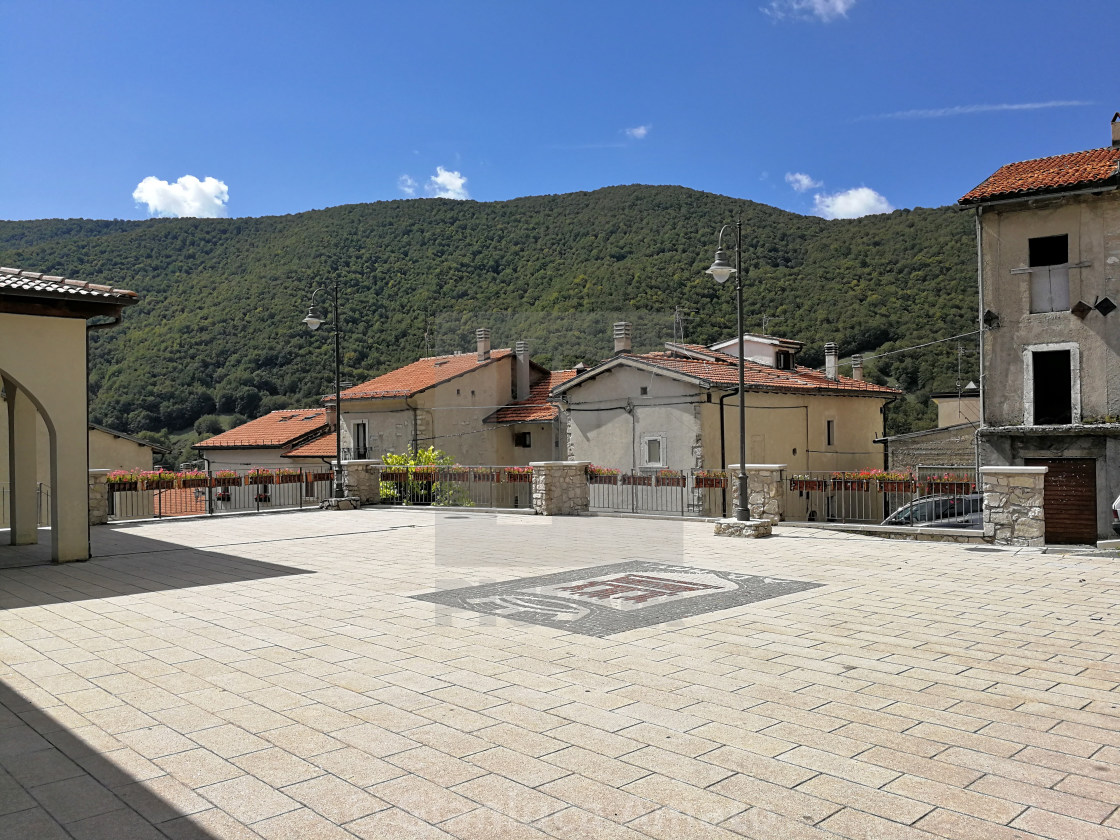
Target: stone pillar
{"points": [[765, 496], [361, 480], [560, 488], [1013, 511], [98, 497]]}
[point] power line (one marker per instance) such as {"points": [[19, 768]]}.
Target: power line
{"points": [[920, 346]]}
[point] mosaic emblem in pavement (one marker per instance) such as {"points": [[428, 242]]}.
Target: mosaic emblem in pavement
{"points": [[603, 600]]}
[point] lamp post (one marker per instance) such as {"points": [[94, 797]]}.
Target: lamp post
{"points": [[313, 320], [721, 270]]}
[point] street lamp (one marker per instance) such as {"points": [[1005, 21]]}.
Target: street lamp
{"points": [[722, 270], [313, 320]]}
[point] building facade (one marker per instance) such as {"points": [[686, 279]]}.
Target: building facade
{"points": [[1048, 237]]}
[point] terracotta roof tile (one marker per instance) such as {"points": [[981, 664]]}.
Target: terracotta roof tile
{"points": [[1096, 167], [35, 284], [277, 428], [418, 376], [724, 371], [536, 408], [321, 447]]}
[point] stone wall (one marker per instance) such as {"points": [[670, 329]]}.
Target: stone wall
{"points": [[765, 496], [98, 497], [560, 488], [951, 446], [1013, 511], [362, 480]]}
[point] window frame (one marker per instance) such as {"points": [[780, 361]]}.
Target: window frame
{"points": [[643, 454], [1045, 277], [1074, 379]]}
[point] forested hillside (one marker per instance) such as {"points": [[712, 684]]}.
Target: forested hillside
{"points": [[218, 328]]}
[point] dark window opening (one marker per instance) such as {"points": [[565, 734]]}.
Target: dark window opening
{"points": [[1053, 400], [643, 391], [523, 439], [1049, 263], [360, 448], [783, 360], [830, 432]]}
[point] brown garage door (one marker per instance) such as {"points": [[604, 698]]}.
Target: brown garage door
{"points": [[1071, 499]]}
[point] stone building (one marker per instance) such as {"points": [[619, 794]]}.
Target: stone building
{"points": [[1048, 239]]}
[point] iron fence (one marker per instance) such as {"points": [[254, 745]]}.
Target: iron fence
{"points": [[223, 491], [457, 486], [703, 493], [849, 498]]}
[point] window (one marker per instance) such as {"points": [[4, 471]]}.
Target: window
{"points": [[1052, 404], [1051, 384], [830, 432], [653, 450], [1049, 264], [360, 448], [644, 390], [783, 360], [523, 439]]}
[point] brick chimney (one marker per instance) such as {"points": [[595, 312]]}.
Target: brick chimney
{"points": [[622, 343], [831, 360], [521, 349], [483, 336], [857, 367], [1116, 130]]}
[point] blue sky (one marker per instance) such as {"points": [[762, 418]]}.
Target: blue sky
{"points": [[832, 107]]}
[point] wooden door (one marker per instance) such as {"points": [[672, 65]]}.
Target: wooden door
{"points": [[1070, 499]]}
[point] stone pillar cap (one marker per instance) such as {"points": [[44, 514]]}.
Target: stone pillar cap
{"points": [[758, 466], [370, 461], [99, 472]]}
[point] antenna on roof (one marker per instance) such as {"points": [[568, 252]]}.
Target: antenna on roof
{"points": [[679, 320]]}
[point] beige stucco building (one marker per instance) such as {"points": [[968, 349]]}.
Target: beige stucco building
{"points": [[455, 404], [1048, 236], [108, 449], [43, 324], [678, 410]]}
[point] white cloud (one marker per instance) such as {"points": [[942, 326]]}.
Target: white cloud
{"points": [[851, 204], [959, 110], [638, 132], [823, 10], [407, 184], [447, 184], [186, 197], [801, 182]]}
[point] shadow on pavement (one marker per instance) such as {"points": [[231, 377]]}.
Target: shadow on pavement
{"points": [[130, 565]]}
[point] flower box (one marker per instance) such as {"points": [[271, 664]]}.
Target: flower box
{"points": [[317, 476], [188, 483], [906, 486], [226, 481], [262, 498], [948, 487], [808, 485], [491, 476], [457, 475], [518, 478], [669, 481], [709, 482], [637, 480], [603, 479], [159, 484], [858, 484], [222, 496], [288, 479], [123, 486], [394, 475], [261, 478]]}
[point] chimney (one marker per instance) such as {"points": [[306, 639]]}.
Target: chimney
{"points": [[483, 336], [622, 337], [831, 363], [521, 348], [1116, 130], [857, 367]]}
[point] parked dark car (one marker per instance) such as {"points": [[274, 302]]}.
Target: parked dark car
{"points": [[941, 511]]}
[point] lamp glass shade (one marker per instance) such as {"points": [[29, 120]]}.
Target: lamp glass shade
{"points": [[313, 319], [721, 269]]}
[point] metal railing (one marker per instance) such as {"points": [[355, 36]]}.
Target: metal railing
{"points": [[703, 493], [223, 491], [828, 497], [42, 504], [457, 486]]}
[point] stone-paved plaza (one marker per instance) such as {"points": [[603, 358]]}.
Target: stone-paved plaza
{"points": [[301, 676]]}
